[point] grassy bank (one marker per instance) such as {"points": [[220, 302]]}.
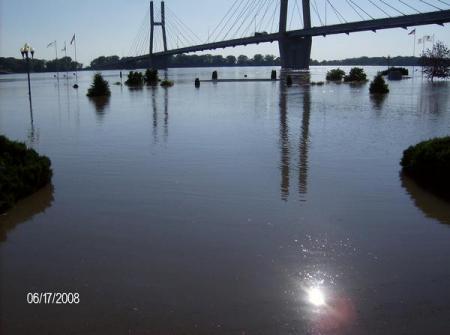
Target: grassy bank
{"points": [[22, 172]]}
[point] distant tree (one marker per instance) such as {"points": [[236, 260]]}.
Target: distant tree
{"points": [[258, 59], [242, 60], [269, 59], [436, 61], [231, 60]]}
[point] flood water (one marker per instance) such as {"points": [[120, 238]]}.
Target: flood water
{"points": [[235, 208]]}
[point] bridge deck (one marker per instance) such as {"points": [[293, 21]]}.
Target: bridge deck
{"points": [[405, 21]]}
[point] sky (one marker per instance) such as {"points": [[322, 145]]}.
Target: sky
{"points": [[110, 27]]}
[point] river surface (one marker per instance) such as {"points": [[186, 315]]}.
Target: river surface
{"points": [[235, 208]]}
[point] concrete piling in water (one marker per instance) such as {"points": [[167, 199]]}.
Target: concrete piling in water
{"points": [[273, 75], [288, 80], [197, 82]]}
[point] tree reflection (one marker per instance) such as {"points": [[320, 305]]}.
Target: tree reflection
{"points": [[25, 209], [430, 204], [100, 103]]}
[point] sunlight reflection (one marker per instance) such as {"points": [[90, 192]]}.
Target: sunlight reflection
{"points": [[316, 296]]}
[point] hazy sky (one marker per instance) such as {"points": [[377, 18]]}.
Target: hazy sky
{"points": [[107, 27]]}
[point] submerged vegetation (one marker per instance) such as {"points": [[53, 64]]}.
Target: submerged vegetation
{"points": [[135, 79], [99, 87], [335, 75], [151, 77], [378, 85], [167, 83], [357, 75], [402, 70], [429, 163], [22, 172]]}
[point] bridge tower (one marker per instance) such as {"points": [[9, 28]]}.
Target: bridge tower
{"points": [[295, 52], [161, 61]]}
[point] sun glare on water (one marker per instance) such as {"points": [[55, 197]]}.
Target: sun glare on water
{"points": [[316, 296]]}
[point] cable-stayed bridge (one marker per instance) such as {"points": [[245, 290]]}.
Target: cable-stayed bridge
{"points": [[292, 24]]}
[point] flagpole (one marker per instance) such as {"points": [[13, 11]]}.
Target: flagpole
{"points": [[76, 63], [414, 54], [65, 55], [56, 64]]}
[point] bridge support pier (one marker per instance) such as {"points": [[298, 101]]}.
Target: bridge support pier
{"points": [[159, 62], [295, 52]]}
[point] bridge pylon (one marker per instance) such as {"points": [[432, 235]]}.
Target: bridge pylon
{"points": [[160, 61], [295, 52]]}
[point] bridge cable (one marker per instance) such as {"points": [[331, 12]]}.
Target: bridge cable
{"points": [[354, 9], [362, 9], [443, 2], [273, 16], [395, 9], [248, 16], [172, 13], [381, 9], [299, 14], [314, 6], [249, 26], [248, 5], [264, 15], [337, 12], [223, 19], [228, 20], [425, 2], [236, 19], [408, 5]]}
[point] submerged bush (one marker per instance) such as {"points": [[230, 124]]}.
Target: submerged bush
{"points": [[429, 162], [135, 79], [151, 77], [378, 85], [356, 74], [22, 172], [335, 75], [167, 83], [214, 75], [402, 70], [99, 87]]}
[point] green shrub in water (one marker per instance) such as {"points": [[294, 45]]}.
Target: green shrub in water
{"points": [[22, 172], [429, 163], [214, 75], [402, 70], [135, 79], [151, 77], [378, 85], [356, 74], [167, 83], [99, 87], [335, 75]]}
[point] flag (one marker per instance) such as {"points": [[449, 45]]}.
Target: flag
{"points": [[72, 40], [51, 44], [413, 32], [427, 38], [64, 49]]}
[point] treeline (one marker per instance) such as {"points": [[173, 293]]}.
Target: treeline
{"points": [[15, 65], [372, 61], [183, 60]]}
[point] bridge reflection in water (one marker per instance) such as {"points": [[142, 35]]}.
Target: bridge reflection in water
{"points": [[303, 142]]}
